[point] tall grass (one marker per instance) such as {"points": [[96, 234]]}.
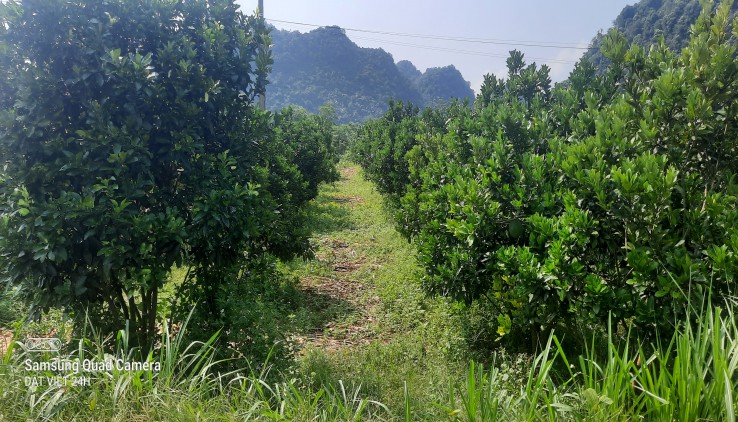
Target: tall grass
{"points": [[692, 378], [187, 387]]}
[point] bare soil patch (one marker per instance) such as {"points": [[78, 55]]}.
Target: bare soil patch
{"points": [[352, 329], [347, 199], [341, 257], [347, 290], [6, 337], [349, 172]]}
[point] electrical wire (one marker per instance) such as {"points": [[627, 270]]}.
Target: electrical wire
{"points": [[444, 49], [454, 50], [516, 43]]}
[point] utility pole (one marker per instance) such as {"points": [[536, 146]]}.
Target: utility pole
{"points": [[262, 96]]}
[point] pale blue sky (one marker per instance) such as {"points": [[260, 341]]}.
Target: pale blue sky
{"points": [[568, 22]]}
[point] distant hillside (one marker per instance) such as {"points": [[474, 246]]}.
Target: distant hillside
{"points": [[324, 65], [408, 70], [646, 20], [438, 84]]}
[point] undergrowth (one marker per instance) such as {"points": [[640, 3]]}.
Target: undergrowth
{"points": [[691, 378], [414, 362]]}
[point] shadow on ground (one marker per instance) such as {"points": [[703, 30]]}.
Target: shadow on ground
{"points": [[326, 215], [321, 314]]}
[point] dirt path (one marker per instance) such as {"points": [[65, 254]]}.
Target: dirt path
{"points": [[338, 281]]}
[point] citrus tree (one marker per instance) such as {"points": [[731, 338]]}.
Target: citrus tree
{"points": [[611, 197], [129, 144]]}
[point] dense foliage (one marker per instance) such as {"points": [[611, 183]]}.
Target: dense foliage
{"points": [[301, 157], [382, 144], [132, 154], [612, 195], [646, 21], [245, 299], [130, 144], [324, 65]]}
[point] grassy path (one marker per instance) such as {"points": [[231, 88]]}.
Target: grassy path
{"points": [[337, 282], [362, 327], [367, 322], [369, 340]]}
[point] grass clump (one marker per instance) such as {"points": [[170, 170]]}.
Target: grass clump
{"points": [[692, 378], [186, 387]]}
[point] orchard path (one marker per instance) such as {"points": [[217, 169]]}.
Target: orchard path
{"points": [[360, 263]]}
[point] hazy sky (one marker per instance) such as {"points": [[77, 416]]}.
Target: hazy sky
{"points": [[562, 22]]}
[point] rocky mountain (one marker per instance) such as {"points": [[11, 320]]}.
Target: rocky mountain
{"points": [[324, 65]]}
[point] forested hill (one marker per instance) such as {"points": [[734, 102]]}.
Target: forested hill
{"points": [[646, 20], [324, 65]]}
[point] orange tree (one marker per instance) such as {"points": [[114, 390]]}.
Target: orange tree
{"points": [[610, 196], [129, 144]]}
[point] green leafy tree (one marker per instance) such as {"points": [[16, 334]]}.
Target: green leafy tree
{"points": [[345, 137], [382, 144], [650, 22], [245, 297], [304, 156], [610, 196], [131, 145]]}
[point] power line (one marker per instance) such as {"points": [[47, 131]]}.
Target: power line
{"points": [[454, 50], [517, 43]]}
